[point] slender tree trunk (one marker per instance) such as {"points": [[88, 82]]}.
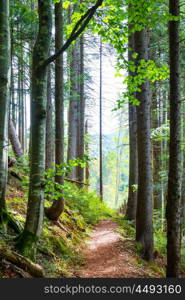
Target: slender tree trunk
{"points": [[144, 228], [156, 147], [87, 172], [133, 155], [13, 101], [81, 113], [4, 98], [183, 176], [175, 158], [73, 109], [16, 145], [13, 104], [57, 208], [35, 211], [23, 109], [118, 162], [101, 122], [20, 97], [49, 124]]}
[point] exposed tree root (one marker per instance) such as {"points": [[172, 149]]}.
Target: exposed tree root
{"points": [[10, 221], [21, 262]]}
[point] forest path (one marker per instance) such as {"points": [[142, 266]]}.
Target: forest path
{"points": [[108, 255]]}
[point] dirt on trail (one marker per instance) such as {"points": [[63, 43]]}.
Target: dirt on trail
{"points": [[107, 255]]}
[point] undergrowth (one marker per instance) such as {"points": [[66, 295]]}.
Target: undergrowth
{"points": [[87, 204], [127, 230], [61, 242]]}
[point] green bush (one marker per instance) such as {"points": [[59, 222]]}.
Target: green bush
{"points": [[86, 203]]}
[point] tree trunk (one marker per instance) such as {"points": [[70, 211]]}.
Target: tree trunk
{"points": [[183, 175], [81, 113], [33, 269], [144, 228], [156, 147], [4, 98], [133, 155], [21, 97], [175, 155], [57, 208], [13, 100], [49, 124], [118, 160], [101, 122], [16, 145], [87, 172], [35, 211], [73, 109]]}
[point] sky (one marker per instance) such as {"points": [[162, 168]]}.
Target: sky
{"points": [[112, 87]]}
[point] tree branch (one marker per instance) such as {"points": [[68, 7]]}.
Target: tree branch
{"points": [[77, 30], [75, 181]]}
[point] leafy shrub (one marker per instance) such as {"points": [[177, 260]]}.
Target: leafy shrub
{"points": [[86, 203], [82, 201]]}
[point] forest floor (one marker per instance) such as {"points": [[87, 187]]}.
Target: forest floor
{"points": [[108, 254]]}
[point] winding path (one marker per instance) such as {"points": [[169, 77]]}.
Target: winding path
{"points": [[107, 255]]}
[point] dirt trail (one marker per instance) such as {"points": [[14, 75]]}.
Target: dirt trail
{"points": [[107, 255]]}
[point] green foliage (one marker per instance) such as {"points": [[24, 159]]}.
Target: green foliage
{"points": [[126, 228], [160, 133], [54, 190], [66, 4], [86, 203], [143, 70], [159, 231]]}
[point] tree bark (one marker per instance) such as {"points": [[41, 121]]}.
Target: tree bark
{"points": [[35, 210], [49, 124], [133, 155], [175, 155], [81, 113], [57, 208], [73, 109], [87, 171], [33, 269], [101, 122], [144, 227], [4, 98], [21, 96], [16, 145], [156, 152]]}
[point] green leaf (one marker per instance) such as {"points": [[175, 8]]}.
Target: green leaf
{"points": [[66, 4]]}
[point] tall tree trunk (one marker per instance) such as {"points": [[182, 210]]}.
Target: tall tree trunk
{"points": [[87, 172], [35, 211], [49, 124], [73, 108], [57, 208], [4, 98], [23, 109], [81, 113], [133, 155], [12, 101], [183, 175], [144, 227], [175, 155], [20, 97], [156, 147], [101, 122], [118, 160]]}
